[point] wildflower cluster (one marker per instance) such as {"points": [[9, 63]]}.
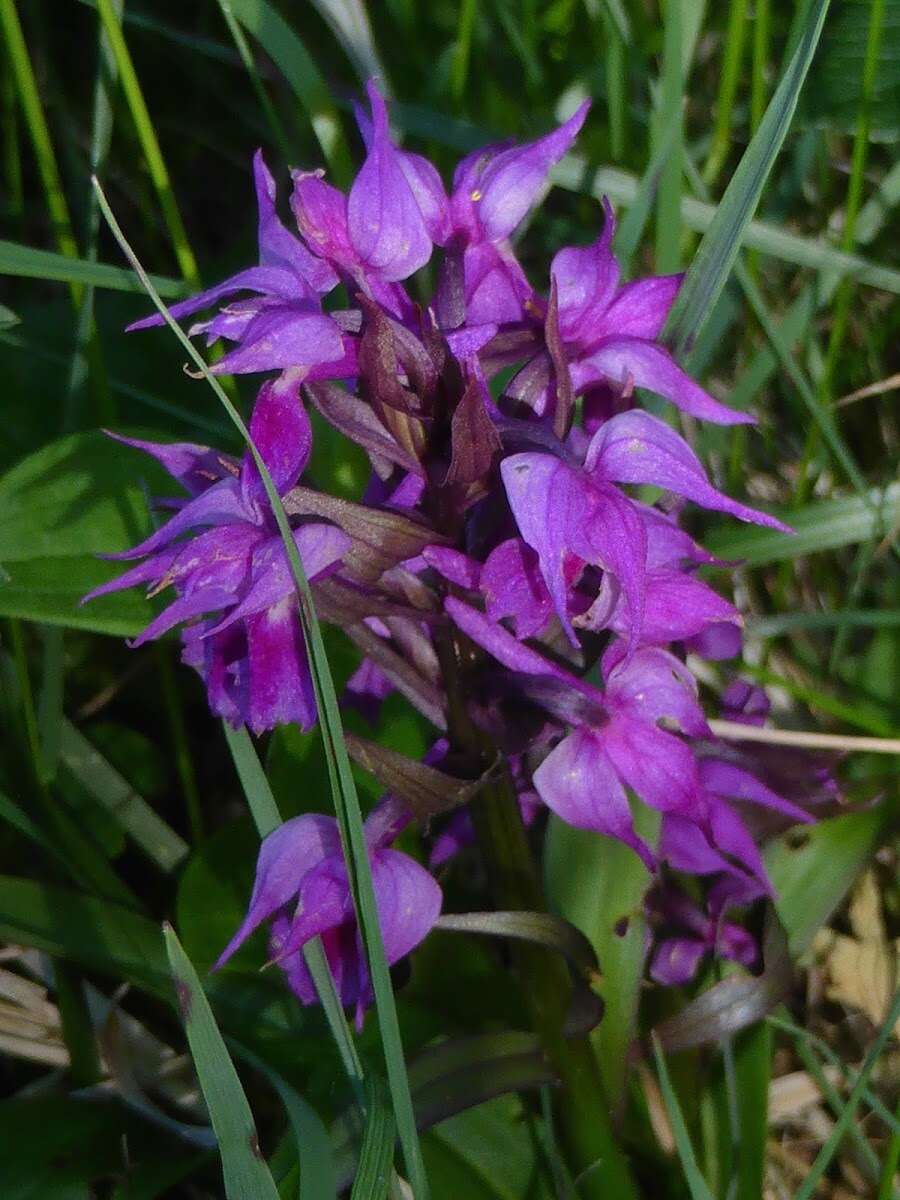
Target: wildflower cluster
{"points": [[499, 553]]}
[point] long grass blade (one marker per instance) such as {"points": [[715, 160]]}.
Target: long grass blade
{"points": [[246, 1175], [712, 264], [696, 1183], [670, 100], [373, 1172], [340, 773], [30, 262]]}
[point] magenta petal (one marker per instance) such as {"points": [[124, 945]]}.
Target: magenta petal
{"points": [[641, 308], [635, 447], [282, 433], [453, 565], [612, 536], [577, 781], [745, 702], [254, 279], [676, 960], [427, 188], [323, 902], [669, 546], [150, 571], [550, 502], [683, 844], [655, 764], [676, 606], [285, 857], [220, 504], [280, 689], [731, 835], [321, 214], [408, 900], [586, 278], [717, 642], [647, 365], [734, 783], [512, 586], [495, 287], [195, 467], [185, 608], [278, 247], [655, 686], [284, 335], [509, 184], [384, 220]]}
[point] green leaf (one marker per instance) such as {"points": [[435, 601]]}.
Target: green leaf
{"points": [[812, 879], [50, 590], [714, 259], [373, 1171], [246, 1175], [32, 263], [212, 898], [598, 884], [823, 525], [8, 318]]}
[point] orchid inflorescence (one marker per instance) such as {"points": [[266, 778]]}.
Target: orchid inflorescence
{"points": [[496, 554]]}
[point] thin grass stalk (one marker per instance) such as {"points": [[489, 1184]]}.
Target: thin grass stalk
{"points": [[340, 774], [864, 1152], [616, 88], [462, 49], [149, 142], [33, 111], [671, 96], [12, 160], [890, 1164], [243, 49], [728, 85]]}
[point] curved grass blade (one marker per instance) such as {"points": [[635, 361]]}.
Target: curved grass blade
{"points": [[347, 807], [712, 264], [294, 61], [246, 1175]]}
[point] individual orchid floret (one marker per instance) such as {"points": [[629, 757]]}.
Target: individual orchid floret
{"points": [[222, 553], [303, 891], [283, 324], [687, 934]]}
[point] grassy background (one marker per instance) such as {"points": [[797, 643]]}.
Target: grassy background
{"points": [[119, 805]]}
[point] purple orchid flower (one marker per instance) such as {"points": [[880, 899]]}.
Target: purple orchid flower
{"points": [[232, 563], [283, 326], [302, 889], [692, 934]]}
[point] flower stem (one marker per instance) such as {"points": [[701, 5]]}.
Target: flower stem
{"points": [[582, 1109]]}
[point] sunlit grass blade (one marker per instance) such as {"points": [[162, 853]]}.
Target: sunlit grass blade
{"points": [[294, 61], [150, 146], [31, 262], [823, 525], [712, 264], [823, 1159], [340, 774], [693, 1177], [349, 22], [246, 1175]]}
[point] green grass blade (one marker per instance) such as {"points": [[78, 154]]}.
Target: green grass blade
{"points": [[631, 228], [753, 1070], [670, 100], [823, 525], [781, 623], [30, 99], [730, 75], [341, 776], [294, 61], [697, 1185], [150, 146], [712, 264], [243, 48], [373, 1172], [349, 22], [318, 1173], [15, 816], [30, 262], [246, 1175], [113, 792], [823, 1159]]}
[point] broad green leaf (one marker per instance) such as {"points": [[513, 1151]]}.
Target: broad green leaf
{"points": [[822, 525], [837, 96], [50, 590], [714, 259], [598, 884], [33, 263], [246, 1175]]}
